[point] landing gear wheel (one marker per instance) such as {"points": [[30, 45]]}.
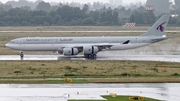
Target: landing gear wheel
{"points": [[94, 56], [90, 56], [86, 56]]}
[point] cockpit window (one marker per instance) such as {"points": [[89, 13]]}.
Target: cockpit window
{"points": [[11, 41]]}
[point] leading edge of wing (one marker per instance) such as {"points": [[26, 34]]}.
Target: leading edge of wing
{"points": [[98, 45], [105, 45]]}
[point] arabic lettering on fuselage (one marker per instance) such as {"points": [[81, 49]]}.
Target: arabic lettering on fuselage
{"points": [[66, 39], [35, 40]]}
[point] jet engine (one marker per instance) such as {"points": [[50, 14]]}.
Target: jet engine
{"points": [[70, 51], [90, 49], [60, 51]]}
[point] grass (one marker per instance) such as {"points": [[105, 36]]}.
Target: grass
{"points": [[112, 68], [77, 28], [71, 28], [117, 98], [92, 71], [136, 80], [37, 81]]}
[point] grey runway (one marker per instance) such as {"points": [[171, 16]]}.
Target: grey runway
{"points": [[167, 58], [121, 31], [65, 92]]}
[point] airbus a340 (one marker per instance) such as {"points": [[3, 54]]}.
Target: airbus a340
{"points": [[90, 46]]}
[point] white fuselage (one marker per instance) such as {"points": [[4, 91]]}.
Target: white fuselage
{"points": [[57, 43]]}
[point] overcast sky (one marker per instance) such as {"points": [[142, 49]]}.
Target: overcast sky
{"points": [[83, 1]]}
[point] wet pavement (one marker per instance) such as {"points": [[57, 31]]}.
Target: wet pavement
{"points": [[63, 92], [167, 58]]}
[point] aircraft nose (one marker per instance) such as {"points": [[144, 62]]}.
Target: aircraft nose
{"points": [[7, 45]]}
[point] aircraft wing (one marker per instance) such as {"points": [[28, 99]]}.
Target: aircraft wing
{"points": [[106, 45], [100, 45]]}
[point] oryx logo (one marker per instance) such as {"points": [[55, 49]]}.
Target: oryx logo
{"points": [[160, 27]]}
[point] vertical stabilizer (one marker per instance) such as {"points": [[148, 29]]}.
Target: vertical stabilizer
{"points": [[159, 27]]}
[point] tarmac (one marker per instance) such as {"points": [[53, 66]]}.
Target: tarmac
{"points": [[166, 58], [65, 92]]}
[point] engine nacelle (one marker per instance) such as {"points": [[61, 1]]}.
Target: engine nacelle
{"points": [[70, 51], [90, 50]]}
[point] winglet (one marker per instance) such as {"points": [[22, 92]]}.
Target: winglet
{"points": [[159, 27]]}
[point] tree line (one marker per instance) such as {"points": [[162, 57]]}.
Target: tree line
{"points": [[75, 16]]}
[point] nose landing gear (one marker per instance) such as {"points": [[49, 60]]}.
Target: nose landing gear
{"points": [[21, 55]]}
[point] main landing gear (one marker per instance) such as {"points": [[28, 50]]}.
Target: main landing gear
{"points": [[90, 56]]}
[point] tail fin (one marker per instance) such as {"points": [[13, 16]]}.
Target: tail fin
{"points": [[159, 27]]}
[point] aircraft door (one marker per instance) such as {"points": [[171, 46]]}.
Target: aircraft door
{"points": [[137, 40], [20, 43]]}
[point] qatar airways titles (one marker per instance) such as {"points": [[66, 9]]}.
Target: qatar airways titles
{"points": [[55, 39]]}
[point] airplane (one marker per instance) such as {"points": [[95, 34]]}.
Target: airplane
{"points": [[90, 46]]}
